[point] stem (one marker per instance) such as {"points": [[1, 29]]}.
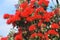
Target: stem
{"points": [[57, 1]]}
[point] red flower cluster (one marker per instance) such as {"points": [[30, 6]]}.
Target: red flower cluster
{"points": [[53, 32], [24, 5], [6, 16], [4, 38], [45, 2], [36, 34], [54, 26], [32, 28], [18, 37]]}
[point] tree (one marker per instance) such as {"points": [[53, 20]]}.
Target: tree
{"points": [[34, 22]]}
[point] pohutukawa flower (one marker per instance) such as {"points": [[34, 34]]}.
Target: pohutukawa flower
{"points": [[18, 37], [32, 27], [6, 16], [54, 26], [33, 35], [23, 5], [53, 32]]}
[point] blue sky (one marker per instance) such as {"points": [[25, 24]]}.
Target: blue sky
{"points": [[7, 6]]}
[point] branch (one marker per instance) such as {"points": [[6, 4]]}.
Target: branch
{"points": [[57, 2]]}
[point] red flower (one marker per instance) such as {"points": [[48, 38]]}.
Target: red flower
{"points": [[54, 26], [28, 11], [40, 34], [33, 35], [31, 4], [18, 13], [36, 34], [39, 23], [51, 14], [40, 9], [18, 37], [45, 2], [46, 36], [37, 16], [40, 2], [9, 21], [33, 1], [56, 11], [4, 38], [59, 22], [47, 17], [13, 19], [23, 5], [32, 28], [16, 18], [6, 16], [29, 19], [53, 32]]}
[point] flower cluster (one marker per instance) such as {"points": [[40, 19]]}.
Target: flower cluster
{"points": [[4, 38], [34, 22]]}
